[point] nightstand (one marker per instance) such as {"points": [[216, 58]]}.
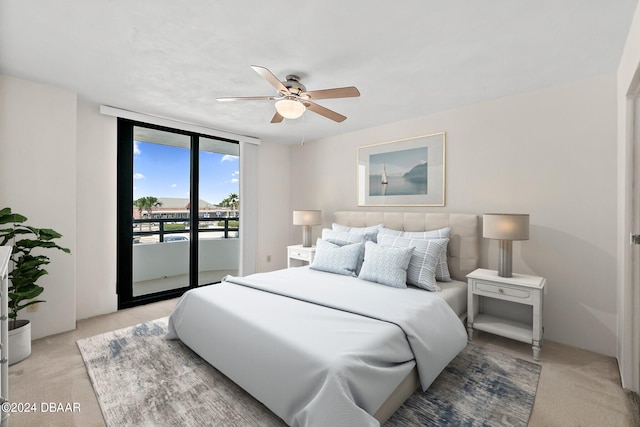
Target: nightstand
{"points": [[300, 255], [519, 289]]}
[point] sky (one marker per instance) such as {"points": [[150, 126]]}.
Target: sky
{"points": [[397, 162], [163, 171]]}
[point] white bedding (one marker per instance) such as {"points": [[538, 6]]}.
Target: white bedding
{"points": [[318, 349]]}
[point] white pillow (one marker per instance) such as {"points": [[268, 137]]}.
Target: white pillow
{"points": [[442, 268], [336, 259], [426, 255], [385, 265]]}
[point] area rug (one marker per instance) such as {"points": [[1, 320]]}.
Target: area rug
{"points": [[142, 379]]}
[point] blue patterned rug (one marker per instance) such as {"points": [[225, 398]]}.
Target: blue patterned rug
{"points": [[480, 387], [141, 379]]}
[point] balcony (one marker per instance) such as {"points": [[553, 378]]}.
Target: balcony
{"points": [[161, 252]]}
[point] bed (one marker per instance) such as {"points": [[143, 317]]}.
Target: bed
{"points": [[319, 348]]}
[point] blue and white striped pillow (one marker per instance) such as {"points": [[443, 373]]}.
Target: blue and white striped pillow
{"points": [[442, 269], [425, 258]]}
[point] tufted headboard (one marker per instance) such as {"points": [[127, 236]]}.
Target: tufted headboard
{"points": [[464, 244]]}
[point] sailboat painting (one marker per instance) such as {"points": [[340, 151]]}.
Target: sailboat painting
{"points": [[397, 173], [406, 172]]}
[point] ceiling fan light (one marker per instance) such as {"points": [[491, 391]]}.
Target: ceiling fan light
{"points": [[290, 108]]}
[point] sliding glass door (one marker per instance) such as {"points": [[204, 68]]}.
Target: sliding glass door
{"points": [[161, 169], [178, 194], [218, 225]]}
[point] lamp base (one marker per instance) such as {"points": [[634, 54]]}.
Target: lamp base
{"points": [[306, 236], [505, 258]]}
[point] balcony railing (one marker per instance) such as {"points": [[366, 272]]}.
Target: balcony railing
{"points": [[225, 228]]}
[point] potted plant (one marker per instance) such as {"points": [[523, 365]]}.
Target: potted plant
{"points": [[27, 269]]}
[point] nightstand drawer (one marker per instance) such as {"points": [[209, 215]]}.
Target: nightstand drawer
{"points": [[501, 290], [300, 255]]}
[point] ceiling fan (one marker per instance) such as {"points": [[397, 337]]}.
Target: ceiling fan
{"points": [[293, 99]]}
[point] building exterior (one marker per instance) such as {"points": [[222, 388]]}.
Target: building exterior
{"points": [[180, 208]]}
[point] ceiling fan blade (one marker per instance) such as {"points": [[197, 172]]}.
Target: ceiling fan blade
{"points": [[247, 98], [339, 92], [277, 118], [329, 114], [268, 76]]}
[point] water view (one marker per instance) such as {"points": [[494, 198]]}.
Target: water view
{"points": [[396, 186], [399, 173]]}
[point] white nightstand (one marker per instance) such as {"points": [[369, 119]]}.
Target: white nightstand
{"points": [[519, 289], [300, 255]]}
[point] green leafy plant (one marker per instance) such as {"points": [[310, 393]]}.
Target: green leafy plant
{"points": [[233, 201], [174, 227], [146, 204], [27, 266]]}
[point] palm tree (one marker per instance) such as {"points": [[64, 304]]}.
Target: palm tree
{"points": [[233, 201], [147, 203]]}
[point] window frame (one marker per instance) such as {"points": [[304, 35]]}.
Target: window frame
{"points": [[124, 188]]}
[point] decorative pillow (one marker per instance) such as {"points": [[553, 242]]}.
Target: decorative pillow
{"points": [[385, 265], [425, 258], [374, 229], [342, 238], [350, 235], [336, 259], [442, 268]]}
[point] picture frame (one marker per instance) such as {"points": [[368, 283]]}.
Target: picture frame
{"points": [[404, 172]]}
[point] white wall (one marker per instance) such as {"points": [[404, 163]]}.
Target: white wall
{"points": [[549, 153], [38, 167], [158, 260], [96, 212], [274, 214]]}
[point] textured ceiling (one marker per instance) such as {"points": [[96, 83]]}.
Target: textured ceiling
{"points": [[408, 59]]}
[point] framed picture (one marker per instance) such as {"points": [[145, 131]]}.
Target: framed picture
{"points": [[406, 172]]}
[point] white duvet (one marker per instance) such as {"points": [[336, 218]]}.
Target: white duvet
{"points": [[318, 349]]}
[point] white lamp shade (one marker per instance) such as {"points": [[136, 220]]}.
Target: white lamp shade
{"points": [[505, 226], [290, 109], [307, 217]]}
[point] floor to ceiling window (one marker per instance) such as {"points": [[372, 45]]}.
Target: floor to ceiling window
{"points": [[178, 217]]}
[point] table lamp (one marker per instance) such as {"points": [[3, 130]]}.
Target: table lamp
{"points": [[506, 228], [306, 219]]}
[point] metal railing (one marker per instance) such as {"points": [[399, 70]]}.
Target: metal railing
{"points": [[159, 226]]}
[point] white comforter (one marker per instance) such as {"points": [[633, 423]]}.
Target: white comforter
{"points": [[318, 349]]}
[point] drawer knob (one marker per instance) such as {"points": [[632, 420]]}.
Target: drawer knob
{"points": [[501, 291]]}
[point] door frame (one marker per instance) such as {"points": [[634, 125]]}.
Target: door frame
{"points": [[124, 248], [629, 223]]}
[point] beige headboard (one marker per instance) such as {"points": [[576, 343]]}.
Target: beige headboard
{"points": [[464, 244]]}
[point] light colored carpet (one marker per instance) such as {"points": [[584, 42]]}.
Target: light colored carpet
{"points": [[635, 404], [142, 379]]}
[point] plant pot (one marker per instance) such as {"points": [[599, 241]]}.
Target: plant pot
{"points": [[19, 341]]}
